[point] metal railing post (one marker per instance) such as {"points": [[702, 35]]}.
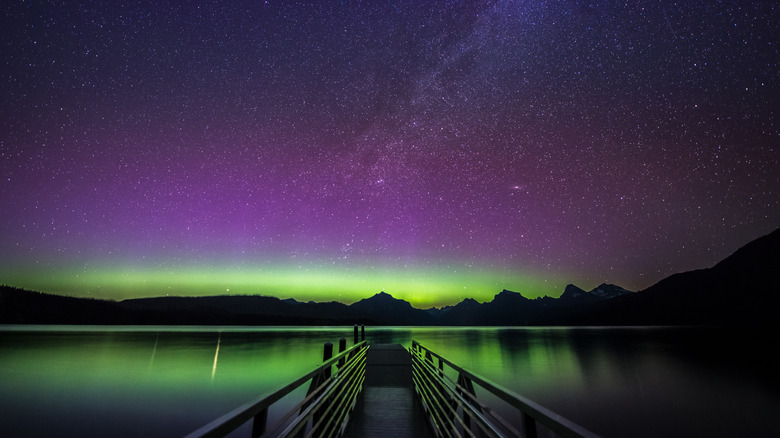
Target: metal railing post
{"points": [[453, 408], [467, 386], [259, 423], [316, 381], [342, 347], [529, 426], [327, 353], [323, 411]]}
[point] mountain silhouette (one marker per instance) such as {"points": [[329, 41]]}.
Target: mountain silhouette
{"points": [[741, 289], [383, 309], [506, 308], [572, 292]]}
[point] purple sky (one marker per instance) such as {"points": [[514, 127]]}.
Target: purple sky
{"points": [[437, 150]]}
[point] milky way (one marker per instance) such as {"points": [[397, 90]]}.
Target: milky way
{"points": [[329, 150]]}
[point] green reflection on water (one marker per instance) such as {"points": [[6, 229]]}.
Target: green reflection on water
{"points": [[167, 381], [167, 378], [156, 361]]}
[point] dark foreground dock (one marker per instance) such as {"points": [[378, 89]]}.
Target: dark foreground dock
{"points": [[377, 390], [388, 405]]}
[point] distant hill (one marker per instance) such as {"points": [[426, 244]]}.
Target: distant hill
{"points": [[740, 290], [19, 306], [383, 309], [507, 308]]}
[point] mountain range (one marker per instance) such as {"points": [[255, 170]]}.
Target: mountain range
{"points": [[741, 289]]}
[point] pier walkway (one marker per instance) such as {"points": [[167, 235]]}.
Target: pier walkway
{"points": [[378, 390], [388, 405]]}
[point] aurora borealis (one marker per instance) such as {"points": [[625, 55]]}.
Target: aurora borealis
{"points": [[330, 150]]}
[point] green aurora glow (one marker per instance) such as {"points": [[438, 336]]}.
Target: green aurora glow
{"points": [[423, 288]]}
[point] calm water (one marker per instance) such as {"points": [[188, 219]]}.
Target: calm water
{"points": [[166, 381]]}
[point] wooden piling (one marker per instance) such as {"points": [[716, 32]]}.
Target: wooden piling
{"points": [[327, 353], [342, 347]]}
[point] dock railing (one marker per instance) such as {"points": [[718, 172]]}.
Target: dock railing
{"points": [[454, 410], [323, 412]]}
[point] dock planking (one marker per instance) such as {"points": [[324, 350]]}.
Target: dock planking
{"points": [[388, 405]]}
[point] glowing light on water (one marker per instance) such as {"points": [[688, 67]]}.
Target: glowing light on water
{"points": [[154, 351], [216, 356]]}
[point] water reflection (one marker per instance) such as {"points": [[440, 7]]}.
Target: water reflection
{"points": [[216, 356], [154, 351], [163, 381]]}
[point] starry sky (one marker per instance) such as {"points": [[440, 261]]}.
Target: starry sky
{"points": [[329, 150]]}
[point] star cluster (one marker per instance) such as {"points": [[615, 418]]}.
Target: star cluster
{"points": [[327, 150]]}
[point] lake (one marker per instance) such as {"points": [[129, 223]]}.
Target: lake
{"points": [[167, 381]]}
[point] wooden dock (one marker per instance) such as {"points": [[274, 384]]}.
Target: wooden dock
{"points": [[382, 390], [388, 405]]}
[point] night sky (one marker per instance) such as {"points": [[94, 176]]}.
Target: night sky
{"points": [[331, 150]]}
